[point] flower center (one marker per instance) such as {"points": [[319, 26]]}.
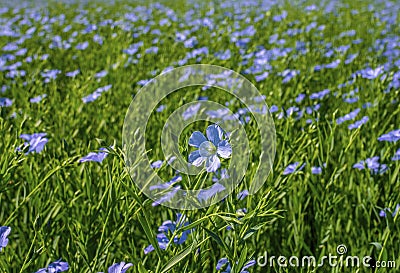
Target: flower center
{"points": [[207, 149]]}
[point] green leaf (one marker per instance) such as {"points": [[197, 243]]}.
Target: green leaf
{"points": [[175, 260], [220, 242]]}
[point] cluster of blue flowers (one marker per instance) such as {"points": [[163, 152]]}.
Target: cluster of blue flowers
{"points": [[167, 229], [59, 265], [294, 168]]}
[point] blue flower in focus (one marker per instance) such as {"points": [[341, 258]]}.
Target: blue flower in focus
{"points": [[4, 232], [55, 267], [209, 148], [121, 267], [36, 142], [221, 263], [95, 157]]}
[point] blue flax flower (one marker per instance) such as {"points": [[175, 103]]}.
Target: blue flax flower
{"points": [[396, 155], [206, 194], [262, 76], [369, 73], [82, 46], [4, 232], [224, 261], [209, 150], [121, 267], [382, 213], [167, 196], [38, 98], [36, 142], [288, 75], [191, 111], [50, 74], [358, 123], [319, 95], [168, 227], [166, 185], [292, 168], [273, 109], [392, 136], [371, 164], [157, 164], [95, 157], [96, 94], [55, 267], [242, 195], [72, 73], [300, 98], [221, 263], [5, 102], [316, 170], [348, 116], [101, 74]]}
